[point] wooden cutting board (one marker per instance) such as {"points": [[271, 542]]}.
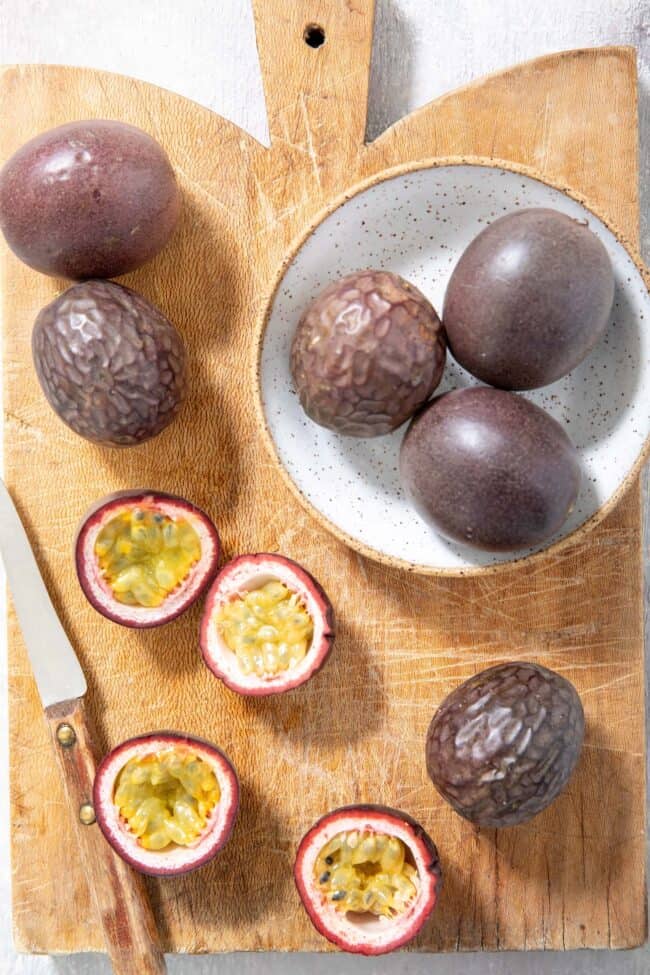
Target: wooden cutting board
{"points": [[572, 877]]}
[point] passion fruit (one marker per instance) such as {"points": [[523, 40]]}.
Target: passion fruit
{"points": [[369, 877], [267, 625], [503, 745], [88, 199], [110, 364], [489, 469], [528, 299], [143, 557], [367, 353], [166, 802]]}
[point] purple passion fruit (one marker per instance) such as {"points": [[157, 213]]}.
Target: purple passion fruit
{"points": [[367, 353], [267, 625], [528, 299], [110, 364], [166, 802], [88, 200], [489, 469], [144, 557], [369, 877], [503, 745]]}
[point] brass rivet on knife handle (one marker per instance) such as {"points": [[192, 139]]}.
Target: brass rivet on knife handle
{"points": [[65, 735], [87, 814]]}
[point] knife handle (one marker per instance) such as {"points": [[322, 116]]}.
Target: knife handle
{"points": [[118, 891]]}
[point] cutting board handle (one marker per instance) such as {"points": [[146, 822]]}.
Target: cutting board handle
{"points": [[315, 63], [119, 893]]}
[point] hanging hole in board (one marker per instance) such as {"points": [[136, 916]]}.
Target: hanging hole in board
{"points": [[314, 35]]}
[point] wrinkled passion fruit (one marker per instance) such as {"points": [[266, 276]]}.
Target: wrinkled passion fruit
{"points": [[90, 199], [166, 802], [490, 469], [528, 299], [367, 353], [267, 625], [369, 877], [144, 557], [503, 745], [110, 364]]}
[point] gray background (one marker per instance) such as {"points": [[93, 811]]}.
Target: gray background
{"points": [[205, 49]]}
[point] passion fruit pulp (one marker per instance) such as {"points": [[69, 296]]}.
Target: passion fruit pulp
{"points": [[267, 625], [166, 802], [366, 872], [143, 557], [368, 876], [268, 629], [166, 797]]}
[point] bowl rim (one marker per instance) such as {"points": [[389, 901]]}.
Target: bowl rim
{"points": [[394, 562]]}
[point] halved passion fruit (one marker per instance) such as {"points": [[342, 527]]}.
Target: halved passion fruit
{"points": [[166, 802], [143, 557], [369, 877], [267, 625]]}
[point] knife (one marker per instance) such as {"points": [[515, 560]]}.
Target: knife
{"points": [[118, 892]]}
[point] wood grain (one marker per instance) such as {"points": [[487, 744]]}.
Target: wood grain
{"points": [[575, 875], [118, 892]]}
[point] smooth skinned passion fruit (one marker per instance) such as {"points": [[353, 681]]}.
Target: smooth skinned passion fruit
{"points": [[503, 745], [267, 625], [144, 557], [110, 364], [369, 877], [489, 469], [528, 299], [166, 802], [88, 199], [367, 353]]}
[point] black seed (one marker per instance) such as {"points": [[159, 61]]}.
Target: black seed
{"points": [[324, 877], [329, 861], [339, 895], [158, 518], [138, 515]]}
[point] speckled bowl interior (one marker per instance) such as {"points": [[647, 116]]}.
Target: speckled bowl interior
{"points": [[418, 224]]}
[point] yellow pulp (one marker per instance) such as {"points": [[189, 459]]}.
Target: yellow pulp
{"points": [[143, 555], [269, 630], [366, 872], [167, 797]]}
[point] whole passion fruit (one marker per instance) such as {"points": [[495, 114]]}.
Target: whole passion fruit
{"points": [[110, 364], [88, 200], [166, 802], [267, 625], [144, 557], [367, 353], [528, 299], [369, 877], [490, 469], [503, 745]]}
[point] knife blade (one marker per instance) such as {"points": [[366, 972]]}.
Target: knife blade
{"points": [[119, 895], [56, 668]]}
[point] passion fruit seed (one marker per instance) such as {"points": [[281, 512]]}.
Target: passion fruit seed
{"points": [[269, 630], [143, 555], [366, 872], [166, 798]]}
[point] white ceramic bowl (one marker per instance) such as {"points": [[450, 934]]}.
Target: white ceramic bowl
{"points": [[418, 223]]}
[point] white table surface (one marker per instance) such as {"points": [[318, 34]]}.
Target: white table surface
{"points": [[205, 49]]}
